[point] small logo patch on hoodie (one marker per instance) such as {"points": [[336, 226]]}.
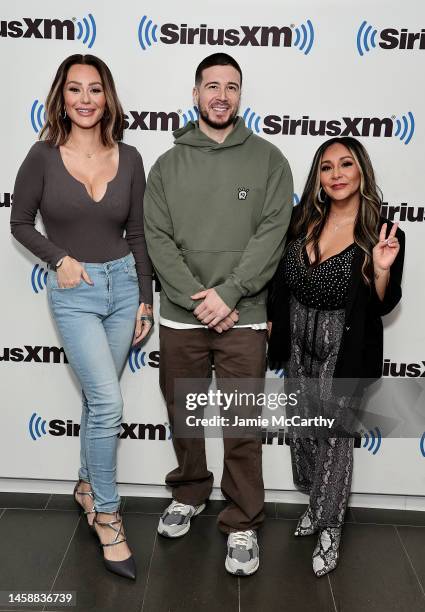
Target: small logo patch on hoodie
{"points": [[242, 193]]}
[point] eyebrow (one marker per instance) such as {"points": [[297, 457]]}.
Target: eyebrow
{"points": [[217, 83], [327, 161], [79, 83]]}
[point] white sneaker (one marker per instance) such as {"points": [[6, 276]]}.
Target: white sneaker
{"points": [[242, 553], [175, 521]]}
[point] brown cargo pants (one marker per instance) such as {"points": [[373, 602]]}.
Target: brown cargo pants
{"points": [[237, 353]]}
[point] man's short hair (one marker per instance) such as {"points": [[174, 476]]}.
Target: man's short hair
{"points": [[216, 59]]}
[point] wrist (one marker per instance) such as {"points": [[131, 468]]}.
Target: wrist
{"points": [[379, 270]]}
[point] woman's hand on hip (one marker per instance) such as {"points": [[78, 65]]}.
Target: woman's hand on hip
{"points": [[144, 322], [70, 273]]}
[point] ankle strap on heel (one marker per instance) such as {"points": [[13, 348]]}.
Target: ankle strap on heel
{"points": [[88, 493], [111, 524]]}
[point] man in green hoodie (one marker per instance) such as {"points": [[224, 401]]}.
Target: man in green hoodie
{"points": [[217, 206]]}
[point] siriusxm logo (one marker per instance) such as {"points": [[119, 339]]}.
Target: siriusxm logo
{"points": [[6, 200], [408, 370], [37, 428], [388, 39], [402, 128], [159, 120], [134, 120], [69, 29], [38, 278], [301, 37], [138, 359], [403, 212], [372, 440], [37, 116], [35, 354]]}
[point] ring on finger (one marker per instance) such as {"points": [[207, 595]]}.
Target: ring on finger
{"points": [[146, 319]]}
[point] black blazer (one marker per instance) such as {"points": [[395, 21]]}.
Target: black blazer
{"points": [[361, 350]]}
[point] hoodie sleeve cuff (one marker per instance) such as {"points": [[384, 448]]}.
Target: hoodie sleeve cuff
{"points": [[230, 293]]}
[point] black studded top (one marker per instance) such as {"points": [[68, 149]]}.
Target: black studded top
{"points": [[322, 287]]}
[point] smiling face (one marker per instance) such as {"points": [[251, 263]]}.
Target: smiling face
{"points": [[339, 174], [218, 96], [84, 96]]}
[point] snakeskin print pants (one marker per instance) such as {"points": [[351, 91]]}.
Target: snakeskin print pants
{"points": [[322, 466]]}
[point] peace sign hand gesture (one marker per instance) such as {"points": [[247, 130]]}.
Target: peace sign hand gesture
{"points": [[386, 250]]}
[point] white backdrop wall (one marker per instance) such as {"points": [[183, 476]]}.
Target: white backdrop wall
{"points": [[354, 68]]}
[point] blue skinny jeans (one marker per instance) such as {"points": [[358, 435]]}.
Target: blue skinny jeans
{"points": [[96, 324]]}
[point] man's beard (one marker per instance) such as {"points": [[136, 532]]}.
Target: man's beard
{"points": [[215, 125]]}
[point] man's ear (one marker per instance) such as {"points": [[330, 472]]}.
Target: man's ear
{"points": [[195, 95]]}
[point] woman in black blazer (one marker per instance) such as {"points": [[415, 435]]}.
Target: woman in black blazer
{"points": [[340, 273]]}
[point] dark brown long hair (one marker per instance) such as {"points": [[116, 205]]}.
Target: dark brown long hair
{"points": [[313, 214], [57, 127]]}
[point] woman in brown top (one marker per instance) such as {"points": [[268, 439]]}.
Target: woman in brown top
{"points": [[88, 187]]}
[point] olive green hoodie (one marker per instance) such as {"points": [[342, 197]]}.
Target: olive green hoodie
{"points": [[216, 215]]}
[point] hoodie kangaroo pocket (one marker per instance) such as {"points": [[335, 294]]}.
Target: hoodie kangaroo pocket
{"points": [[211, 267]]}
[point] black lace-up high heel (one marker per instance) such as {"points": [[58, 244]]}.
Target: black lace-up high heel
{"points": [[126, 568]]}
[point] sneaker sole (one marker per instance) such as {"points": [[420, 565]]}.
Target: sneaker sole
{"points": [[241, 572], [185, 528]]}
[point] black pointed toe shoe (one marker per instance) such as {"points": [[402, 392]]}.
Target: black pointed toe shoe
{"points": [[127, 567]]}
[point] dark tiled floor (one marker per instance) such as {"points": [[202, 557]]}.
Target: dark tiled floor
{"points": [[46, 546], [285, 580], [294, 511], [36, 501], [389, 517], [413, 542], [375, 573], [188, 574], [98, 590]]}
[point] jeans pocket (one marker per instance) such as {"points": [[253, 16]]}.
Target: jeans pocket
{"points": [[52, 281], [132, 272], [77, 286]]}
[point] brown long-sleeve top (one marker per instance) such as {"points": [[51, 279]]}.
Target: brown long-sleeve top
{"points": [[76, 225]]}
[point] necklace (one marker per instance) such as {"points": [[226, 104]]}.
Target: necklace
{"points": [[342, 223], [89, 155]]}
